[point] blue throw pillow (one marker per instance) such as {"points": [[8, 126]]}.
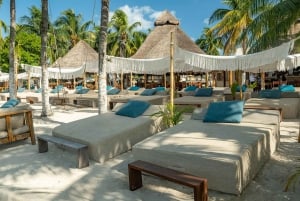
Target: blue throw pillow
{"points": [[270, 94], [108, 87], [134, 88], [113, 91], [286, 88], [190, 88], [160, 88], [10, 103], [148, 92], [204, 92], [82, 91], [225, 112], [133, 108], [244, 88]]}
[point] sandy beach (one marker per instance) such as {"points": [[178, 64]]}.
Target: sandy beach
{"points": [[26, 174]]}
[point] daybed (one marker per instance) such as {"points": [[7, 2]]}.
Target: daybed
{"points": [[108, 135], [16, 123], [200, 97], [288, 101], [229, 155], [197, 101], [155, 96]]}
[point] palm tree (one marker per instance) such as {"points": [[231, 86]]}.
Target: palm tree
{"points": [[4, 28], [70, 28], [209, 43], [231, 24], [46, 111], [32, 23], [102, 96], [12, 59], [122, 35], [274, 23]]}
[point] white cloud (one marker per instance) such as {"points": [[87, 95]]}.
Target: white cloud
{"points": [[206, 21], [145, 15]]}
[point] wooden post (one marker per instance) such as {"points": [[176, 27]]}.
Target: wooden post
{"points": [[121, 81], [165, 80], [171, 70], [130, 79], [262, 81], [28, 80]]}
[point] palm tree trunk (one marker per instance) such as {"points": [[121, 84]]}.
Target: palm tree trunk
{"points": [[12, 61], [102, 96], [46, 111]]}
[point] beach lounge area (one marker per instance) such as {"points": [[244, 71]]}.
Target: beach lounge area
{"points": [[54, 176]]}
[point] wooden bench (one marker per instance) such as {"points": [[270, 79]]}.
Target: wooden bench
{"points": [[81, 149], [136, 168]]}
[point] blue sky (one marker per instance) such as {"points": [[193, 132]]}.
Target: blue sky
{"points": [[192, 14]]}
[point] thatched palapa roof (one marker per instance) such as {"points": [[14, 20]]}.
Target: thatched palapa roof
{"points": [[80, 54], [157, 43]]}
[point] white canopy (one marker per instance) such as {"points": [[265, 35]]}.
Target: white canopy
{"points": [[56, 73], [269, 60]]}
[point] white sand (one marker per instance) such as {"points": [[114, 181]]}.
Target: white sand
{"points": [[26, 174]]}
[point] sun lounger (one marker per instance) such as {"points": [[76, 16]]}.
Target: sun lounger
{"points": [[154, 99], [108, 135], [197, 101], [229, 155]]}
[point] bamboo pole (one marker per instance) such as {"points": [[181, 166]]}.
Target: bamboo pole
{"points": [[171, 71], [262, 80], [121, 84], [28, 80]]}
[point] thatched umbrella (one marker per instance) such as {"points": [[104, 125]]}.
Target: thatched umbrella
{"points": [[80, 54], [157, 43]]}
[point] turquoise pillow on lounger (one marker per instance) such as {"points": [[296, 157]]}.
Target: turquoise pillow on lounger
{"points": [[225, 112], [10, 103], [204, 92], [113, 91], [133, 108], [148, 92], [286, 88], [190, 88], [133, 88]]}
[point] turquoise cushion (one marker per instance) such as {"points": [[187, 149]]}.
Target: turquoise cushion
{"points": [[108, 87], [270, 94], [10, 103], [226, 112], [204, 92], [133, 108], [21, 89], [148, 92], [82, 91], [134, 88], [113, 91], [238, 88], [160, 88], [38, 90], [286, 88], [79, 87], [190, 88]]}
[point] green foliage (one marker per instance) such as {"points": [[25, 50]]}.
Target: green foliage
{"points": [[233, 89], [171, 115], [28, 47], [253, 85]]}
